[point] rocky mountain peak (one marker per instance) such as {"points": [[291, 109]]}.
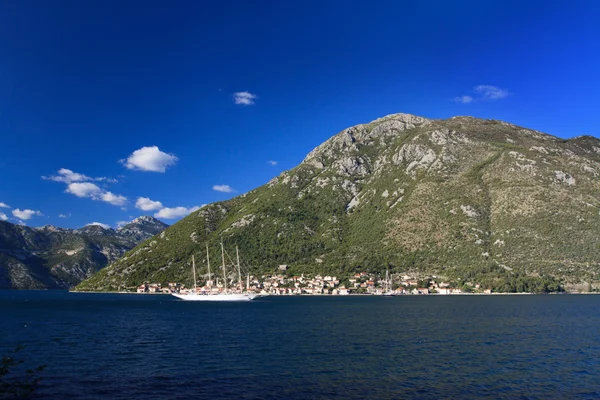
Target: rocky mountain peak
{"points": [[96, 229], [348, 142], [145, 219], [142, 228], [50, 228]]}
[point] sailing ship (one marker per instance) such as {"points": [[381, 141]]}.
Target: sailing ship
{"points": [[208, 294], [388, 285]]}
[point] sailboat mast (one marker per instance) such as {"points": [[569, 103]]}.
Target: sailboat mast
{"points": [[237, 254], [208, 261], [224, 273], [387, 280], [194, 270]]}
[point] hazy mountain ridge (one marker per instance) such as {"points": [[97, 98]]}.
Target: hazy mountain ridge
{"points": [[409, 193], [52, 257]]}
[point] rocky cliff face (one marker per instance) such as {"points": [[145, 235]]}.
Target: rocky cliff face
{"points": [[51, 257], [406, 193]]}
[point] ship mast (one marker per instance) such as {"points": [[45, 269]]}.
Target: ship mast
{"points": [[194, 270], [224, 273], [237, 254], [388, 282], [208, 261]]}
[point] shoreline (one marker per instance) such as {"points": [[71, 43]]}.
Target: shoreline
{"points": [[363, 294]]}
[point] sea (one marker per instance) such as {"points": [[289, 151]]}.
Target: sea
{"points": [[124, 346]]}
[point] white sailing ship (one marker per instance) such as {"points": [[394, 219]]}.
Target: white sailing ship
{"points": [[208, 294], [388, 285]]}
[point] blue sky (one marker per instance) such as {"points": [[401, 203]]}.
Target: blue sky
{"points": [[104, 102]]}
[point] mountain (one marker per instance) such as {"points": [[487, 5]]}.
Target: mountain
{"points": [[464, 198], [142, 228], [51, 257]]}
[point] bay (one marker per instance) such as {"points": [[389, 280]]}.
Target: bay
{"points": [[119, 346]]}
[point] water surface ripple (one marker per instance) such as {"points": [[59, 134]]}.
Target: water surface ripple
{"points": [[428, 347]]}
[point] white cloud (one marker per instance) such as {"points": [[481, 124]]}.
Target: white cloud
{"points": [[64, 215], [271, 162], [3, 217], [175, 212], [490, 92], [145, 204], [80, 185], [87, 189], [99, 224], [83, 189], [114, 199], [484, 93], [223, 188], [122, 223], [244, 98], [67, 176], [25, 214], [105, 179], [463, 99], [4, 205], [150, 159]]}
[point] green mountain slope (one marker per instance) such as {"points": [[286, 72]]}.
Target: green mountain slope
{"points": [[441, 196]]}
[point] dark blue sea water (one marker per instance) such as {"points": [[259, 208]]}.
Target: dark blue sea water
{"points": [[157, 347]]}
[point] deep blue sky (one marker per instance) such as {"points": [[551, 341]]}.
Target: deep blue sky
{"points": [[84, 84]]}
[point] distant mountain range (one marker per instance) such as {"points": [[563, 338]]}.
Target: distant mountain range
{"points": [[463, 198], [52, 258]]}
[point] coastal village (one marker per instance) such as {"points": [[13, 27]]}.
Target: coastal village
{"points": [[360, 283]]}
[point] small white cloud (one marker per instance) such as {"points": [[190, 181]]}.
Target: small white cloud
{"points": [[223, 188], [271, 162], [83, 189], [175, 212], [484, 93], [122, 223], [19, 222], [105, 179], [3, 217], [67, 176], [92, 191], [64, 215], [105, 226], [463, 99], [150, 159], [145, 204], [25, 214], [490, 92], [244, 98], [4, 205], [114, 199]]}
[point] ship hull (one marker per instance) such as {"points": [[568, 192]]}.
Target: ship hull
{"points": [[216, 297]]}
